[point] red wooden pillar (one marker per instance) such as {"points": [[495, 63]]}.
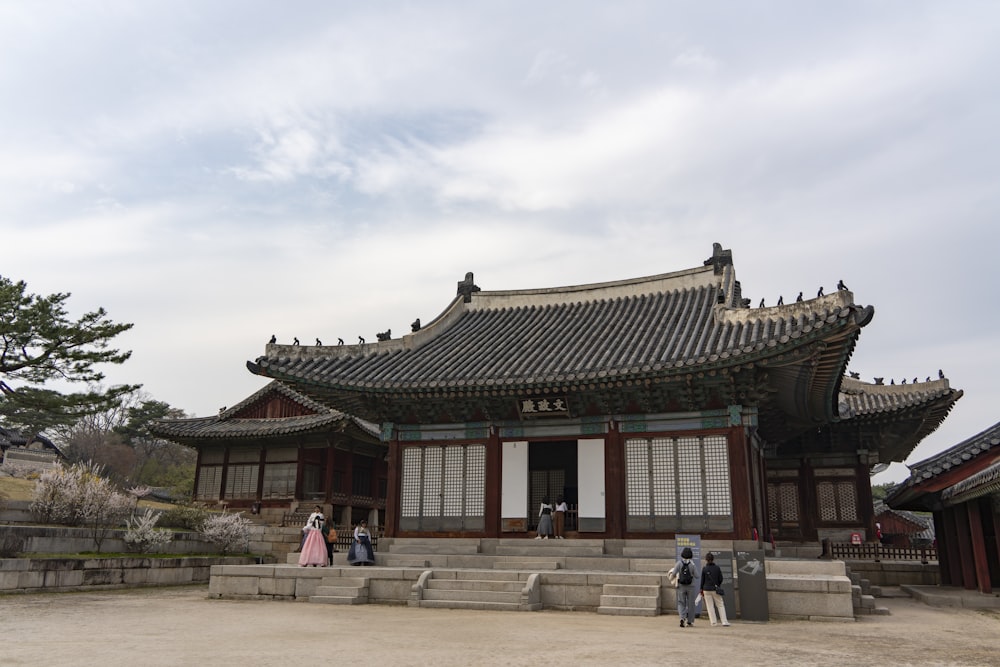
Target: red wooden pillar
{"points": [[943, 541], [968, 577], [225, 474], [299, 469], [741, 497], [392, 508], [978, 542], [331, 457], [494, 484], [949, 541], [866, 507], [614, 484]]}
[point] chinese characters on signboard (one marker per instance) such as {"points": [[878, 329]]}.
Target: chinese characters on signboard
{"points": [[543, 407]]}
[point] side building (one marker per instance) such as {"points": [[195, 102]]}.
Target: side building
{"points": [[278, 449], [655, 406], [961, 488]]}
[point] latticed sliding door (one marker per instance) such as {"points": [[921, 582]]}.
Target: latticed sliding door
{"points": [[677, 484], [544, 484], [443, 488]]}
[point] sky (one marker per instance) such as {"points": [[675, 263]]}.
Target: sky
{"points": [[218, 172]]}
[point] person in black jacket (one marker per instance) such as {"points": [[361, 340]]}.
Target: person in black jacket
{"points": [[711, 591]]}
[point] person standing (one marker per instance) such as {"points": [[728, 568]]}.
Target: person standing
{"points": [[686, 577], [711, 591], [361, 551], [544, 520], [561, 509], [313, 550]]}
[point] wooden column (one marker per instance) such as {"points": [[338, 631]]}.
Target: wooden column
{"points": [[978, 542], [944, 557], [331, 459], [299, 467], [261, 462], [392, 508], [809, 503], [494, 483], [741, 496], [866, 507], [225, 474], [949, 541], [964, 543], [614, 484]]}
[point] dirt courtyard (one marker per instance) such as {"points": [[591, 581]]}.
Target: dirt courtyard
{"points": [[181, 626]]}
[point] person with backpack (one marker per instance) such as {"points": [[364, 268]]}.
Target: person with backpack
{"points": [[711, 591], [687, 577]]}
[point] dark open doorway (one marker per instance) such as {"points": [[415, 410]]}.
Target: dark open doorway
{"points": [[552, 472]]}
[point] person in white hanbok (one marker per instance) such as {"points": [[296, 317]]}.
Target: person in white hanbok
{"points": [[361, 551]]}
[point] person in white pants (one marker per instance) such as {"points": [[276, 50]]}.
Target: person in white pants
{"points": [[711, 591]]}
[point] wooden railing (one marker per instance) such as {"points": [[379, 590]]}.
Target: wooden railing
{"points": [[878, 552]]}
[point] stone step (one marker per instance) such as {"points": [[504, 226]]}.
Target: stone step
{"points": [[338, 599], [341, 590], [549, 548], [533, 565], [475, 585], [483, 575], [482, 606], [631, 589], [627, 611], [471, 596], [630, 601], [446, 549], [396, 560]]}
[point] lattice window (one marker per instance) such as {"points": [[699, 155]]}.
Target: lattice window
{"points": [[209, 482], [475, 480], [838, 501], [637, 493], [279, 480], [409, 504], [678, 476], [783, 502], [452, 496], [718, 496], [445, 481], [663, 471], [241, 480]]}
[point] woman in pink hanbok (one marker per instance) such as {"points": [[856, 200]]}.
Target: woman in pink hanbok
{"points": [[314, 545]]}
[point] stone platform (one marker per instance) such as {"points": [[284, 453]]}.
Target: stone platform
{"points": [[623, 577]]}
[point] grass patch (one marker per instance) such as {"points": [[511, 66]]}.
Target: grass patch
{"points": [[14, 488]]}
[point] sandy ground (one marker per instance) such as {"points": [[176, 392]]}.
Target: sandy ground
{"points": [[181, 626]]}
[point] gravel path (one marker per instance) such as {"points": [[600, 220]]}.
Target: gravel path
{"points": [[181, 626]]}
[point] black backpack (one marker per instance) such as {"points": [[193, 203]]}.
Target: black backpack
{"points": [[684, 578]]}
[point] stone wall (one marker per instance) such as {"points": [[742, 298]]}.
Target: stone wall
{"points": [[67, 540], [34, 575], [897, 573]]}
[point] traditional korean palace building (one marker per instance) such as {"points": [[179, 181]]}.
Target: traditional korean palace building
{"points": [[655, 406], [278, 448], [961, 487]]}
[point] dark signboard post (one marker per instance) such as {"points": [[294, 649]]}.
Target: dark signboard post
{"points": [[724, 559], [753, 585]]}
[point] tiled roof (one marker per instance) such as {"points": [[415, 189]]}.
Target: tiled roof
{"points": [[911, 492], [12, 438], [983, 482], [226, 425], [520, 341], [863, 399], [955, 456]]}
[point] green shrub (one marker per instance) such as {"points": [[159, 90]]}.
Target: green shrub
{"points": [[188, 517]]}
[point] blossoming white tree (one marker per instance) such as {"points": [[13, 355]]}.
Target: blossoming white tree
{"points": [[228, 531], [80, 495], [142, 535]]}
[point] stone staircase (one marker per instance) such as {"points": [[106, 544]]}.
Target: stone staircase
{"points": [[341, 590], [630, 600], [863, 596], [472, 589]]}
